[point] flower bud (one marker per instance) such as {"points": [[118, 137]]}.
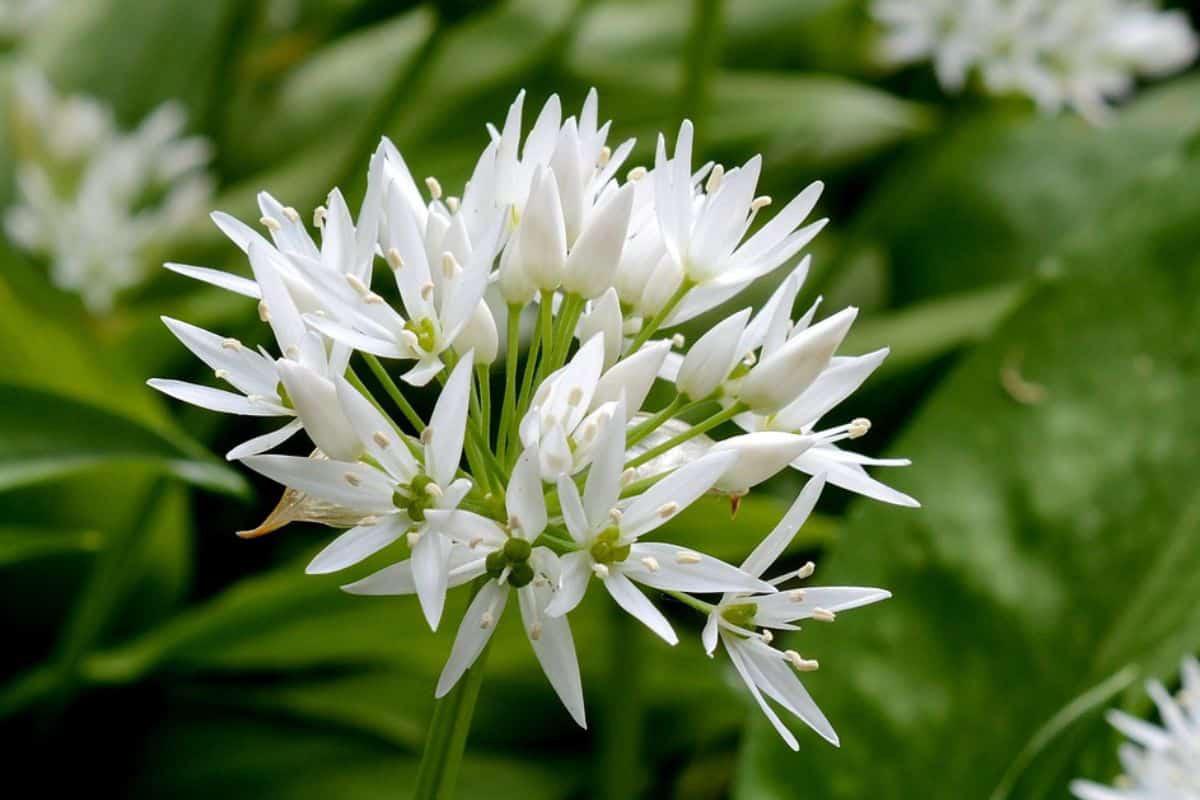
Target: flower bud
{"points": [[711, 359], [632, 377], [605, 318], [780, 378], [760, 456], [515, 286], [480, 334], [664, 281], [316, 402], [542, 235], [593, 261]]}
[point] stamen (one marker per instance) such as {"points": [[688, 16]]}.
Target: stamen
{"points": [[601, 570], [615, 515], [628, 476], [409, 338], [486, 620], [222, 374], [575, 396], [319, 215], [380, 438], [433, 490], [799, 662], [394, 259], [806, 571], [231, 344], [271, 224], [450, 267], [434, 186], [667, 509], [356, 283], [714, 179], [292, 351], [651, 563], [427, 292], [475, 542], [750, 360], [604, 157], [760, 202], [687, 557], [427, 435], [513, 522], [767, 636], [372, 299], [292, 214], [263, 313], [352, 479], [678, 341], [452, 203], [535, 631], [796, 595], [823, 615], [636, 174], [859, 427]]}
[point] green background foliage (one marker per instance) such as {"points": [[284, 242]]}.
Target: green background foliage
{"points": [[1038, 280]]}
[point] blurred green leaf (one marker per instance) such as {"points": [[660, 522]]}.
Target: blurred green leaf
{"points": [[44, 435], [994, 198], [21, 543], [1059, 542]]}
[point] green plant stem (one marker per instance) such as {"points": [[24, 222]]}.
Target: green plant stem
{"points": [[568, 318], [546, 328], [393, 391], [707, 425], [703, 51], [484, 377], [651, 327], [512, 351], [621, 734], [689, 601], [648, 426], [446, 739]]}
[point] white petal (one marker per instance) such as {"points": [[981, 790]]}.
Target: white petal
{"points": [[351, 485], [477, 626], [358, 543], [708, 636], [760, 455], [376, 433], [837, 382], [217, 399], [523, 498], [674, 493], [771, 548], [850, 477], [467, 528], [261, 444], [572, 510], [572, 585], [317, 405], [779, 379], [604, 478], [284, 317], [554, 454], [786, 606], [465, 566], [780, 683], [592, 264], [671, 567], [222, 280], [554, 647], [448, 424], [375, 345], [712, 357], [632, 377], [733, 647], [639, 606], [604, 318], [248, 370], [542, 232], [431, 567], [425, 370]]}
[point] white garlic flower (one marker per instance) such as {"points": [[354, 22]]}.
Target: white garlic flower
{"points": [[19, 18], [1080, 54], [92, 200], [1159, 762], [566, 478]]}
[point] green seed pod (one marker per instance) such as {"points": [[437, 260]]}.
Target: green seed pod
{"points": [[517, 550], [520, 575]]}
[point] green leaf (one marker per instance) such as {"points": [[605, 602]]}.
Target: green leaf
{"points": [[45, 435], [995, 197], [22, 543], [1059, 544]]}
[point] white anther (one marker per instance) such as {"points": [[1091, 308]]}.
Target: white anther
{"points": [[796, 595], [601, 571], [292, 214], [823, 615], [434, 186], [514, 523], [535, 631], [382, 439], [292, 352], [678, 341], [231, 344], [486, 620], [575, 396], [427, 292], [687, 557], [263, 313], [352, 479], [319, 215], [651, 563], [222, 374], [369, 521], [589, 433], [799, 662], [615, 515], [760, 202], [427, 435], [475, 542], [604, 157], [433, 490], [410, 339], [270, 223], [628, 476], [750, 360], [667, 509], [859, 427], [452, 203], [806, 571], [767, 636], [372, 299], [356, 283], [413, 537], [636, 174], [714, 179], [450, 267], [394, 259]]}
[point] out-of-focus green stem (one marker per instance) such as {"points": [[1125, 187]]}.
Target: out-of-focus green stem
{"points": [[621, 734], [703, 49]]}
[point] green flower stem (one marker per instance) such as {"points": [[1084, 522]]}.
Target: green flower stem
{"points": [[690, 433], [621, 733], [568, 318], [446, 739], [655, 322], [703, 52], [546, 328], [393, 391], [677, 408], [508, 409], [484, 376], [527, 382], [691, 602]]}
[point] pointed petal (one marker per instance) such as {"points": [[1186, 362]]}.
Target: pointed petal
{"points": [[448, 424], [261, 444], [222, 280], [669, 566], [771, 548], [466, 527], [674, 493], [572, 583], [639, 606], [217, 399], [739, 663], [376, 433], [357, 544], [604, 478], [523, 499], [473, 634], [430, 566], [572, 510], [351, 485]]}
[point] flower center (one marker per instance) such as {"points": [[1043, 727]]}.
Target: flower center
{"points": [[740, 615], [414, 499], [605, 550], [424, 331], [514, 557]]}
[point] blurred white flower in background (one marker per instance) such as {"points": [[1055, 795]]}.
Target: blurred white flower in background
{"points": [[1061, 53], [18, 17], [93, 200], [1159, 762]]}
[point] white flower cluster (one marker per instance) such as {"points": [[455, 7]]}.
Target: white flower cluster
{"points": [[1061, 53], [563, 483], [92, 200], [1160, 762], [19, 17]]}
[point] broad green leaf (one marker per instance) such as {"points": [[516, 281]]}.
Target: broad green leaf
{"points": [[994, 198], [1059, 545], [44, 435], [23, 543]]}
